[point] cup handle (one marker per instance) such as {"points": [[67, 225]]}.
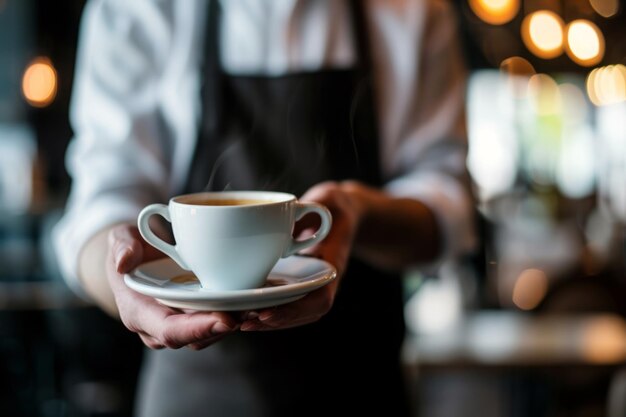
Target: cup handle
{"points": [[143, 223], [321, 233]]}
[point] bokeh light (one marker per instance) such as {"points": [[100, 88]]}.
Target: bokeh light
{"points": [[530, 288], [607, 85], [495, 12], [435, 307], [517, 70], [492, 158], [605, 8], [516, 65], [585, 42], [576, 166], [610, 121], [604, 340], [493, 149], [576, 109], [544, 94], [39, 83], [542, 33]]}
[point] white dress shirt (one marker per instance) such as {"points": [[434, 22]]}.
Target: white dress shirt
{"points": [[136, 101]]}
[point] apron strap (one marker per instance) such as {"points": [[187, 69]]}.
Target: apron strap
{"points": [[361, 35], [211, 69]]}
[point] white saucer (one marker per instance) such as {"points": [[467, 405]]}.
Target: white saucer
{"points": [[291, 279]]}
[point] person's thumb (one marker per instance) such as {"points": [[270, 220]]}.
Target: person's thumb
{"points": [[126, 248]]}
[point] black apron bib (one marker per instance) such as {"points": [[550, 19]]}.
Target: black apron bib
{"points": [[287, 133]]}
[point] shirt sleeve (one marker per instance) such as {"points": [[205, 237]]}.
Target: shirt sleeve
{"points": [[424, 150], [118, 159]]}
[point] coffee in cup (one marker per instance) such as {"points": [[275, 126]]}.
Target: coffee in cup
{"points": [[231, 240]]}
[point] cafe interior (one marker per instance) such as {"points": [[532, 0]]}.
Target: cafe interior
{"points": [[531, 324]]}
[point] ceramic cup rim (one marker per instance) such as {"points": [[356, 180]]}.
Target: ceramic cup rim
{"points": [[268, 198]]}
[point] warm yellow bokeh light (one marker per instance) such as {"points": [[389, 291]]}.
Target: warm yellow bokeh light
{"points": [[542, 33], [516, 65], [591, 87], [607, 85], [495, 12], [585, 42], [530, 288], [517, 70], [603, 340], [39, 83], [605, 8]]}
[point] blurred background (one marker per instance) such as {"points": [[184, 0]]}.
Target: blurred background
{"points": [[530, 325]]}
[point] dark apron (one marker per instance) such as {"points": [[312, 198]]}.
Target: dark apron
{"points": [[287, 133]]}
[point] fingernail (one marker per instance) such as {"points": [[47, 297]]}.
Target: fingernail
{"points": [[119, 255], [266, 315], [220, 328], [122, 257], [251, 315]]}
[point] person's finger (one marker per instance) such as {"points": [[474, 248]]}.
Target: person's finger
{"points": [[205, 343], [150, 342], [178, 330], [306, 310], [257, 326], [129, 249], [126, 249], [335, 248], [248, 315], [160, 326], [307, 225], [337, 245]]}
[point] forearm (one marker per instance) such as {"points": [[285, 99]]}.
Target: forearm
{"points": [[394, 232], [92, 272]]}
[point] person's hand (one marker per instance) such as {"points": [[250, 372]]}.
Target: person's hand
{"points": [[157, 325], [342, 199]]}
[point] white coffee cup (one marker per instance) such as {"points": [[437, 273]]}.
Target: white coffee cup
{"points": [[231, 240]]}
